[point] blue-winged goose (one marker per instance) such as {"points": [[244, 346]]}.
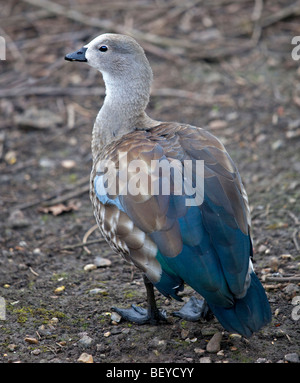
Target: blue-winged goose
{"points": [[165, 233]]}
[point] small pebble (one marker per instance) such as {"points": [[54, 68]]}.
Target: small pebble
{"points": [[115, 317], [261, 360], [68, 164], [59, 290], [102, 262], [98, 291], [262, 248], [37, 251], [199, 351], [277, 144], [184, 333], [235, 336], [85, 358], [37, 351], [85, 341], [208, 331], [292, 357], [274, 263], [11, 157], [107, 334], [17, 220], [12, 347], [291, 289], [218, 124], [214, 345], [205, 359], [53, 321], [157, 343], [47, 163], [89, 267]]}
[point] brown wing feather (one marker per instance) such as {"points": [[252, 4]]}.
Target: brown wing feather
{"points": [[146, 215]]}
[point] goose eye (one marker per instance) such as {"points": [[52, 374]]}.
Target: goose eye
{"points": [[103, 48]]}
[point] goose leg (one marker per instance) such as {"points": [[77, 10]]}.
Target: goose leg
{"points": [[140, 315], [193, 310]]}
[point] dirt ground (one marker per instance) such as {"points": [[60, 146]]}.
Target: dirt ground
{"points": [[224, 65]]}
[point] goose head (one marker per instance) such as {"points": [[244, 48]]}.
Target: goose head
{"points": [[118, 57]]}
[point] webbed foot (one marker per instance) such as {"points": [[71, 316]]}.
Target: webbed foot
{"points": [[193, 310], [140, 315]]}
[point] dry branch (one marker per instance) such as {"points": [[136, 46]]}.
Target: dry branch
{"points": [[51, 91], [198, 98], [291, 10], [294, 278], [86, 235], [108, 24], [83, 244]]}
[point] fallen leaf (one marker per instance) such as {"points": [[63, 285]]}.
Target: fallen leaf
{"points": [[60, 208], [31, 340]]}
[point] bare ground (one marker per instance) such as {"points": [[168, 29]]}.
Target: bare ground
{"points": [[232, 63]]}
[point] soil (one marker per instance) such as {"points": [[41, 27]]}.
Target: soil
{"points": [[237, 79]]}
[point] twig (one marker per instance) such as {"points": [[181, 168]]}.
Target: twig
{"points": [[81, 244], [67, 196], [52, 197], [33, 272], [24, 17], [108, 24], [71, 116], [291, 10], [256, 17], [2, 139], [99, 91], [295, 278], [86, 235], [294, 236], [18, 167], [51, 91], [197, 97], [294, 217]]}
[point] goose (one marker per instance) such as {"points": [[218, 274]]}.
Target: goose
{"points": [[168, 198]]}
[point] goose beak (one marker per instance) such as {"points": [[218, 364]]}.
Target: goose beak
{"points": [[77, 56]]}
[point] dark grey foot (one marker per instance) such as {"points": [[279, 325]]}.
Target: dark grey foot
{"points": [[140, 315], [193, 310]]}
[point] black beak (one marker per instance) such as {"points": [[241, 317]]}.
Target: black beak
{"points": [[77, 56]]}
